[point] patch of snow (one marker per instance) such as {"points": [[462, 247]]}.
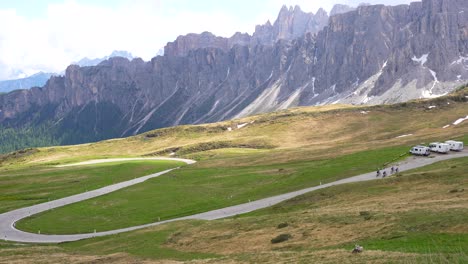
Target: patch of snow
{"points": [[446, 126], [242, 125], [356, 83], [461, 60], [366, 99], [430, 94], [458, 121], [333, 87], [458, 77], [407, 135], [422, 60], [384, 65], [432, 106], [434, 75], [313, 87]]}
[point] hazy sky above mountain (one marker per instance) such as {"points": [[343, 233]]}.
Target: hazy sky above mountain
{"points": [[48, 35]]}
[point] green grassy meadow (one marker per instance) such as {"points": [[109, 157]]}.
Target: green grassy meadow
{"points": [[413, 217], [193, 190], [37, 184]]}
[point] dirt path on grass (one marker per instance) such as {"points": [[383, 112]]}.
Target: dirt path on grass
{"points": [[8, 220]]}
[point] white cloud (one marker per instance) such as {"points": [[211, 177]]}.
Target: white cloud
{"points": [[71, 30]]}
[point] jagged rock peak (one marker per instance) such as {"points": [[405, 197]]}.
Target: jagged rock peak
{"points": [[340, 9], [377, 54], [290, 24], [321, 13]]}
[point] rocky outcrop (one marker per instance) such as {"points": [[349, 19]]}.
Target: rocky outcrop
{"points": [[93, 62], [340, 9], [374, 54], [291, 23]]}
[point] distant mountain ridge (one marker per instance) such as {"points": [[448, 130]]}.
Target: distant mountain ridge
{"points": [[40, 79], [374, 54], [93, 62], [36, 80]]}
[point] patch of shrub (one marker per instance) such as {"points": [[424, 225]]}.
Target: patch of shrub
{"points": [[18, 154], [281, 238], [184, 129], [183, 150], [365, 214], [283, 225], [456, 190]]}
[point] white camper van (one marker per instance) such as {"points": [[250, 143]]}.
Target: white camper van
{"points": [[455, 145], [420, 150], [439, 147]]}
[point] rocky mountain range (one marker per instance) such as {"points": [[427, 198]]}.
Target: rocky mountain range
{"points": [[40, 79], [93, 62], [291, 23], [369, 55]]}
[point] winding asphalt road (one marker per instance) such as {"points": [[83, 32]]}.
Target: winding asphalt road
{"points": [[10, 233]]}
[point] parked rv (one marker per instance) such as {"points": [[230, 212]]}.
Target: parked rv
{"points": [[420, 150], [439, 147], [455, 145]]}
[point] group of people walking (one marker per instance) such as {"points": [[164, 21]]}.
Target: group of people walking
{"points": [[393, 170]]}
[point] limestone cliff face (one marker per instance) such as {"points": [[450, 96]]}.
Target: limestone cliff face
{"points": [[340, 9], [374, 54], [291, 23]]}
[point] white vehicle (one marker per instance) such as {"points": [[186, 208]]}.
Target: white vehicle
{"points": [[455, 145], [420, 150], [439, 147]]}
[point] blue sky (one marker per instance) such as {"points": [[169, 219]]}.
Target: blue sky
{"points": [[39, 35]]}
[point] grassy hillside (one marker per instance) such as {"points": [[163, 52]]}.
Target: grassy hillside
{"points": [[416, 217], [195, 190], [24, 187], [413, 217], [293, 134]]}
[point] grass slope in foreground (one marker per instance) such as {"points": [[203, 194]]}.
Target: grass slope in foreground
{"points": [[37, 184], [417, 216], [192, 190]]}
